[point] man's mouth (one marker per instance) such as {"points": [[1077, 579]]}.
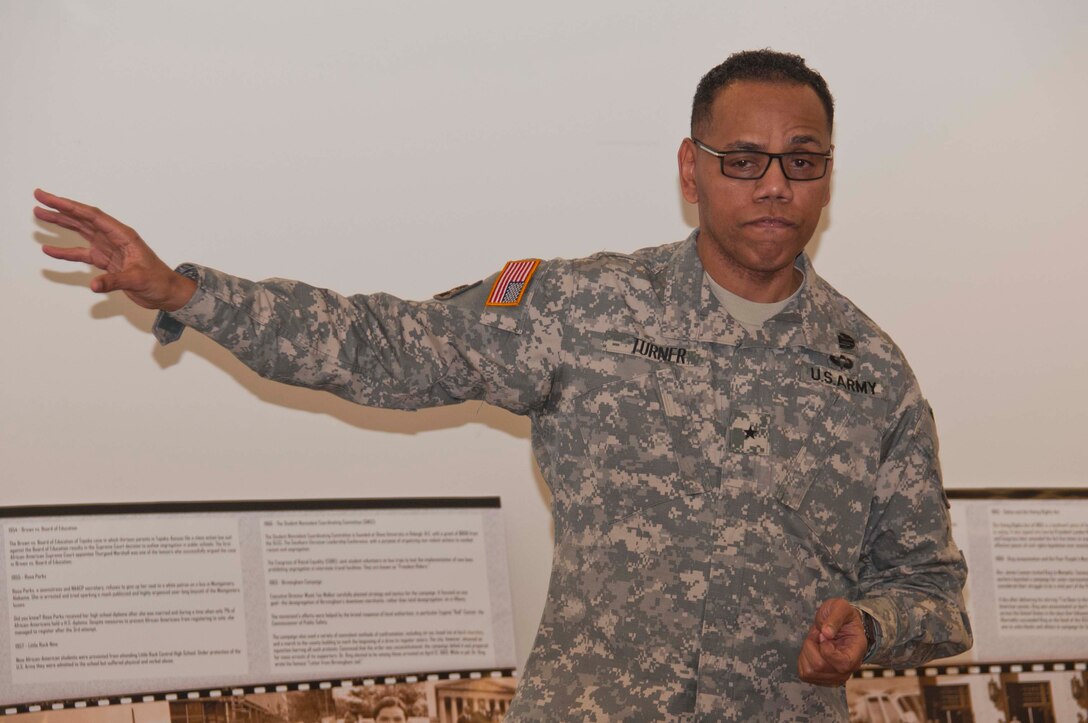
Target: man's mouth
{"points": [[771, 222]]}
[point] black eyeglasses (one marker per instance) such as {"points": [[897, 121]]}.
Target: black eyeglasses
{"points": [[752, 165]]}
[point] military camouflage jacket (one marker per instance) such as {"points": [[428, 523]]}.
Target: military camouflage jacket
{"points": [[711, 486]]}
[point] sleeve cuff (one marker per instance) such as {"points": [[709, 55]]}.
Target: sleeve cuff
{"points": [[882, 615], [167, 328]]}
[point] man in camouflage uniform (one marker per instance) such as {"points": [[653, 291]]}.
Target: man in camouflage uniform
{"points": [[747, 497]]}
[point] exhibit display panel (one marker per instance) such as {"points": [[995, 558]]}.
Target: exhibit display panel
{"points": [[1027, 596], [118, 602], [319, 611], [1027, 587]]}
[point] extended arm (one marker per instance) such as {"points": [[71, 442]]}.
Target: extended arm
{"points": [[375, 349], [372, 349]]}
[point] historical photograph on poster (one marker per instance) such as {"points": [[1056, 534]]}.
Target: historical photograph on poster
{"points": [[1003, 695], [885, 700], [482, 699]]}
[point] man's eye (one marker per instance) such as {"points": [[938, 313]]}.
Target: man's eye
{"points": [[801, 162], [745, 164]]}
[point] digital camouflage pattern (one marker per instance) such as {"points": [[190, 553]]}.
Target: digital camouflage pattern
{"points": [[711, 486]]}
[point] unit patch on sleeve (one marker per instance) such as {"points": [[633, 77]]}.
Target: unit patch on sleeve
{"points": [[456, 291], [511, 283]]}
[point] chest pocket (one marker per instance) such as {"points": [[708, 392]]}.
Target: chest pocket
{"points": [[830, 480], [628, 431]]}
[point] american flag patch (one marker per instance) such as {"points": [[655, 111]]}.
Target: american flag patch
{"points": [[512, 282]]}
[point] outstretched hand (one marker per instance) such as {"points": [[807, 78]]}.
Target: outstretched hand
{"points": [[835, 644], [129, 264]]}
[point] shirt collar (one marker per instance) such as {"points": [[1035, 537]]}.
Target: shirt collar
{"points": [[816, 319]]}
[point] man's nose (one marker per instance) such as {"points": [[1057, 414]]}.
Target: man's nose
{"points": [[774, 184]]}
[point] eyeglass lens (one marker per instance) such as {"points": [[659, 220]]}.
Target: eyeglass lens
{"points": [[753, 164]]}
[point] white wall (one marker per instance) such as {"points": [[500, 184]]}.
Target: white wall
{"points": [[410, 147]]}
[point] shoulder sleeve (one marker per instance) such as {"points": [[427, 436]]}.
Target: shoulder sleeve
{"points": [[379, 350], [912, 573]]}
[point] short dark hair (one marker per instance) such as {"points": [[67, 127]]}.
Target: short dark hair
{"points": [[390, 702], [766, 66]]}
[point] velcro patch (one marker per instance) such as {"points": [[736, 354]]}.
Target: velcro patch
{"points": [[842, 380], [456, 291], [637, 346], [512, 282]]}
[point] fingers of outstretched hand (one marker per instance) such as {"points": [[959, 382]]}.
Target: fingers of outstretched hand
{"points": [[74, 253], [111, 242], [65, 209], [49, 216], [130, 264]]}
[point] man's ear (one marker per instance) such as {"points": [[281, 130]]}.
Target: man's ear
{"points": [[685, 160]]}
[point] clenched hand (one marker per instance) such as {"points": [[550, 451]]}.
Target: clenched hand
{"points": [[835, 644]]}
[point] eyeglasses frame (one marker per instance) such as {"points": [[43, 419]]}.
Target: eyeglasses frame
{"points": [[722, 155]]}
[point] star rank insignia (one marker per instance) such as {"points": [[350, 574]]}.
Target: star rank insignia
{"points": [[748, 433]]}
